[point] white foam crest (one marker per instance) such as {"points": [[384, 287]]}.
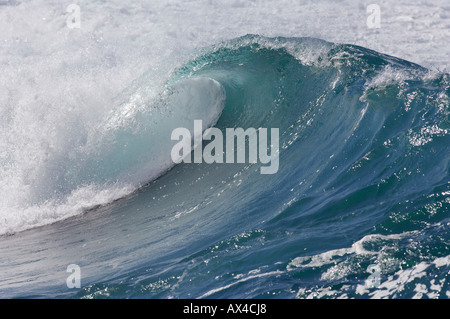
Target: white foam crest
{"points": [[391, 286], [394, 279], [397, 282], [391, 75], [395, 76], [308, 51], [332, 256], [45, 178], [16, 219]]}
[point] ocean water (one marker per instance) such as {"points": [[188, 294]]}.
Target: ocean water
{"points": [[357, 209]]}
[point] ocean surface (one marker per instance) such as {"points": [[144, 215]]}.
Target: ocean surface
{"points": [[359, 207]]}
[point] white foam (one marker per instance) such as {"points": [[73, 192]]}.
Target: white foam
{"points": [[396, 283], [426, 135], [16, 219], [95, 167], [393, 281], [332, 256]]}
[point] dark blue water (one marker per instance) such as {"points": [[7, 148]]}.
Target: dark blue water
{"points": [[359, 207]]}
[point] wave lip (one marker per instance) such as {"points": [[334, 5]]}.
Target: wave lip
{"points": [[126, 150]]}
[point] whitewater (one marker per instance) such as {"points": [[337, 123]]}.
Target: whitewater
{"points": [[86, 177]]}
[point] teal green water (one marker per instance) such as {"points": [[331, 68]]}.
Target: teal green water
{"points": [[358, 209]]}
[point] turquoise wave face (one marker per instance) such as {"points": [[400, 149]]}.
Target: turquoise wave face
{"points": [[365, 150], [358, 208]]}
